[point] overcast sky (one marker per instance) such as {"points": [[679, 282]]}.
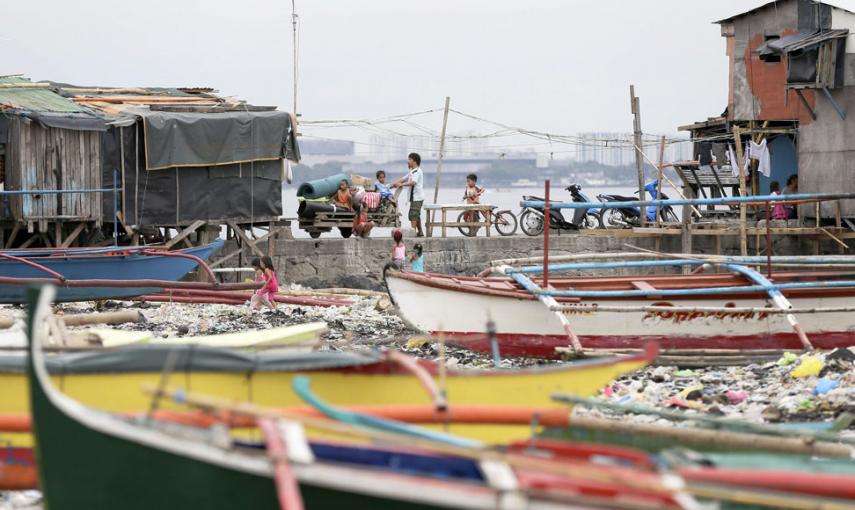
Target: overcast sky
{"points": [[559, 66]]}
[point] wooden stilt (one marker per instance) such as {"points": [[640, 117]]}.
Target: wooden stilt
{"points": [[73, 235], [13, 235]]}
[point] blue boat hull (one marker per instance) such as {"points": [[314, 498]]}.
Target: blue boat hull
{"points": [[102, 267]]}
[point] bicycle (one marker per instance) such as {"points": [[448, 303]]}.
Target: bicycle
{"points": [[505, 222]]}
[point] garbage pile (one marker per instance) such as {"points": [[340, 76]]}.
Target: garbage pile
{"points": [[807, 387]]}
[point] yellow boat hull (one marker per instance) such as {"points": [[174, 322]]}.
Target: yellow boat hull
{"points": [[122, 392]]}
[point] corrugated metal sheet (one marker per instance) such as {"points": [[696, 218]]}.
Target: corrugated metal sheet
{"points": [[34, 99]]}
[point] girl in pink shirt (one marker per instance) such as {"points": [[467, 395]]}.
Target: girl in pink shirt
{"points": [[266, 294], [399, 251]]}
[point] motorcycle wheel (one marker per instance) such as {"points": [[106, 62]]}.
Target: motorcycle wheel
{"points": [[612, 219], [591, 221], [531, 223], [505, 222]]}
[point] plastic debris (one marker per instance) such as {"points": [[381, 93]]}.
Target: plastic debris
{"points": [[686, 372], [825, 385], [809, 366], [735, 397], [787, 359], [693, 392]]}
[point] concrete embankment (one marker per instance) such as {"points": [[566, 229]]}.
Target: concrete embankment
{"points": [[358, 263]]}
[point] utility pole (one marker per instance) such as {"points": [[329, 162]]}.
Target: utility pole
{"points": [[635, 106], [294, 44], [441, 149]]}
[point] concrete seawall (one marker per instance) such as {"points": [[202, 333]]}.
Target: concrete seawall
{"points": [[358, 263]]}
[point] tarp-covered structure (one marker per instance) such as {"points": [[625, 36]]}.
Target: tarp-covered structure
{"points": [[176, 156], [184, 155]]}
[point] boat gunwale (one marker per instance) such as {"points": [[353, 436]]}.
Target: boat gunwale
{"points": [[459, 284]]}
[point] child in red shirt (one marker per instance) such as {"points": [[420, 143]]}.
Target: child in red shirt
{"points": [[266, 295]]}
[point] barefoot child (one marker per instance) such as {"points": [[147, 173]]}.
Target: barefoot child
{"points": [[266, 294], [399, 251]]}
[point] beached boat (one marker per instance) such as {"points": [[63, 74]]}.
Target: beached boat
{"points": [[98, 267], [620, 312], [91, 459], [111, 380]]}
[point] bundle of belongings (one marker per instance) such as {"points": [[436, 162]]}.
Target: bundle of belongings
{"points": [[342, 193]]}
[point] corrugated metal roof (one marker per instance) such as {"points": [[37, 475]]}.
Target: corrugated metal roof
{"points": [[34, 99], [767, 4]]}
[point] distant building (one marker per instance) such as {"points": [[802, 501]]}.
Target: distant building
{"points": [[791, 82], [388, 148], [615, 149], [310, 147]]}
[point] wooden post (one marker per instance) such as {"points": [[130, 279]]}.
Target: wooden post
{"points": [[546, 225], [686, 227], [743, 216], [659, 169], [444, 220], [838, 223], [635, 105], [487, 214], [440, 157]]}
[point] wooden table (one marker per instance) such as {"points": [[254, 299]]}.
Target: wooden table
{"points": [[486, 211]]}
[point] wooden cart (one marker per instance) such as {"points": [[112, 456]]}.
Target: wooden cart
{"points": [[343, 221]]}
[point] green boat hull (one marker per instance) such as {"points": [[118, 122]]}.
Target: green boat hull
{"points": [[83, 466]]}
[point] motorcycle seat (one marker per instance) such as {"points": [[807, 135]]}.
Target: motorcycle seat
{"points": [[621, 198]]}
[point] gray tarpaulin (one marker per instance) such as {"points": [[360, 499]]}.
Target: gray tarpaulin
{"points": [[209, 139], [190, 358]]}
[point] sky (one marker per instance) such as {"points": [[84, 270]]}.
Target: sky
{"points": [[547, 65]]}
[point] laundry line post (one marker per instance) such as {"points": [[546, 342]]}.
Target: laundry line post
{"points": [[743, 213], [440, 156]]}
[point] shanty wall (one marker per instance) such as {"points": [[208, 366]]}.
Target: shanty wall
{"points": [[757, 91], [240, 192], [40, 158]]}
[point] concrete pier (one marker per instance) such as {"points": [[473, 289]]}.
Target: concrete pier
{"points": [[358, 263]]}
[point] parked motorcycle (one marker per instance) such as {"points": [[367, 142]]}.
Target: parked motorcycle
{"points": [[531, 218], [628, 217]]}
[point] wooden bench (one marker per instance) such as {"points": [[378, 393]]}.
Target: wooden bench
{"points": [[486, 211]]}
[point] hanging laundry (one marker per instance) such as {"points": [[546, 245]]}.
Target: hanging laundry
{"points": [[760, 152], [731, 156], [719, 151], [705, 153]]}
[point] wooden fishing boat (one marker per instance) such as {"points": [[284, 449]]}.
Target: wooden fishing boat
{"points": [[460, 308], [90, 459], [98, 267], [111, 380]]}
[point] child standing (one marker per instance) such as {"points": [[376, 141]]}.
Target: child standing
{"points": [[779, 211], [266, 294], [472, 195], [399, 251], [417, 259]]}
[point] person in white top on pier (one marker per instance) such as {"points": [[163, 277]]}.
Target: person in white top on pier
{"points": [[415, 181]]}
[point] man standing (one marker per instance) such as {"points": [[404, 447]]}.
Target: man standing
{"points": [[415, 181]]}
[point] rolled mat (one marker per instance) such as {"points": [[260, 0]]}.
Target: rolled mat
{"points": [[310, 209], [321, 187]]}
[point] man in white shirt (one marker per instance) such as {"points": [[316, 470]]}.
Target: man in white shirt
{"points": [[415, 181]]}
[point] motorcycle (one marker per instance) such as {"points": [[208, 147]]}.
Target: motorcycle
{"points": [[531, 218], [628, 217]]}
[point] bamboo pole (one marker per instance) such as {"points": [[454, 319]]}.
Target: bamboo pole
{"points": [[659, 169], [743, 211], [544, 465]]}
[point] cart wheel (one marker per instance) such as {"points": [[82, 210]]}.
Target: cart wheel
{"points": [[314, 234], [505, 222], [345, 232], [467, 231]]}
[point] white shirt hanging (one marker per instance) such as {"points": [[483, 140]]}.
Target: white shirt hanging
{"points": [[760, 152]]}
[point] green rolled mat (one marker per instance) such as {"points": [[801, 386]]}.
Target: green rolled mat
{"points": [[320, 188]]}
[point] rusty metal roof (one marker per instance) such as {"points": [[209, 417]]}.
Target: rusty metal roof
{"points": [[18, 93]]}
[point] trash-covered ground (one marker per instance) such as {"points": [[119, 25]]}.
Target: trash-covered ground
{"points": [[796, 387]]}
